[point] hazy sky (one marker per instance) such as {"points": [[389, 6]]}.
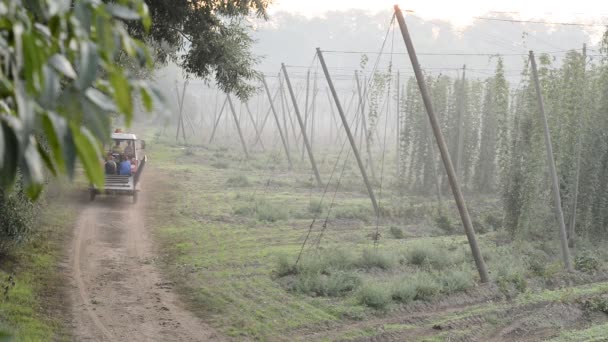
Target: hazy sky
{"points": [[462, 12]]}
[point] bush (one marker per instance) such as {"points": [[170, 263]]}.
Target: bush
{"points": [[238, 181], [397, 232], [220, 165], [358, 212], [334, 284], [403, 291], [443, 223], [374, 295], [426, 286], [453, 281], [270, 213], [371, 258], [428, 256], [17, 215], [315, 206], [285, 266], [493, 221], [585, 262]]}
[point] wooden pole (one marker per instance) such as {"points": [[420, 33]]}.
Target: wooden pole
{"points": [[283, 110], [315, 90], [351, 139], [443, 149], [217, 121], [579, 147], [302, 127], [553, 173], [238, 125], [276, 117], [306, 106], [370, 161], [268, 112]]}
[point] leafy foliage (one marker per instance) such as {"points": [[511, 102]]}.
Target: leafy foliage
{"points": [[59, 84], [207, 39]]}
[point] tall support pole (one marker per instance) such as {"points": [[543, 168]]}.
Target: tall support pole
{"points": [[351, 139], [276, 117], [255, 126], [283, 110], [315, 90], [553, 173], [398, 129], [302, 127], [217, 121], [579, 147], [443, 149], [461, 127], [238, 125], [268, 112], [306, 106], [370, 161]]}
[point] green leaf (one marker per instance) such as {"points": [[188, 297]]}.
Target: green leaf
{"points": [[51, 90], [88, 153], [100, 100], [62, 65], [32, 169], [146, 98], [122, 94], [46, 158], [54, 127], [122, 12], [89, 60], [145, 15]]}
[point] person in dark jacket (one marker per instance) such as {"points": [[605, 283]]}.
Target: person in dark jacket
{"points": [[110, 165]]}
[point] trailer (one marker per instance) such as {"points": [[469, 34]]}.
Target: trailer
{"points": [[125, 146]]}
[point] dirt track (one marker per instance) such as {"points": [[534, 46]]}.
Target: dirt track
{"points": [[117, 294]]}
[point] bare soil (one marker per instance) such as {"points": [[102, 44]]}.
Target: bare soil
{"points": [[117, 293]]}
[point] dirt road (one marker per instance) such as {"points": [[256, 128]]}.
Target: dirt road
{"points": [[117, 294]]}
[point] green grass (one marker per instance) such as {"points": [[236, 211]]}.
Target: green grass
{"points": [[233, 256], [33, 308]]}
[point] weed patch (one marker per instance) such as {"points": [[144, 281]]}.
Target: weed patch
{"points": [[376, 296]]}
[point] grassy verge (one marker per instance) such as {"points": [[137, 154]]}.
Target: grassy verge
{"points": [[31, 282]]}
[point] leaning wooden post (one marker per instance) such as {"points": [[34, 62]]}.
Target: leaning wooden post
{"points": [[351, 139], [238, 125], [306, 106], [302, 127], [553, 173], [217, 121], [268, 112], [443, 149], [361, 107], [276, 117]]}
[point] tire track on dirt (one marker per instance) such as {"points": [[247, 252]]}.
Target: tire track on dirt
{"points": [[119, 295]]}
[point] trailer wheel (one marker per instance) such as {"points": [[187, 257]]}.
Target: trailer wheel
{"points": [[92, 194]]}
